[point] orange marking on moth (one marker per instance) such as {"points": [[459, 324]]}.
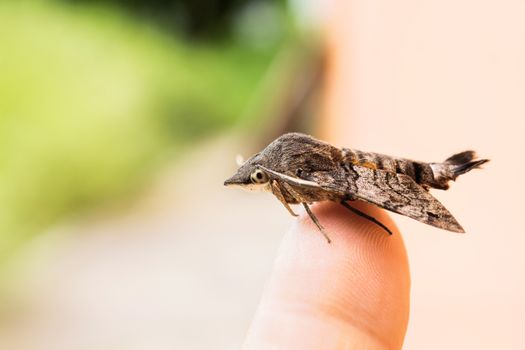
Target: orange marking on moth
{"points": [[369, 165]]}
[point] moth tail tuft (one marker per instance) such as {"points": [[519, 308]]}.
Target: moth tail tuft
{"points": [[461, 158], [462, 163]]}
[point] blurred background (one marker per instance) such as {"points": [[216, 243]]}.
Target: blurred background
{"points": [[120, 119]]}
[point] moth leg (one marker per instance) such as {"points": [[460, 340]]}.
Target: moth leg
{"points": [[293, 193], [316, 222], [276, 190], [366, 216], [299, 198]]}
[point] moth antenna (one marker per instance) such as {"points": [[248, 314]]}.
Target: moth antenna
{"points": [[291, 180], [366, 216], [316, 222], [239, 159]]}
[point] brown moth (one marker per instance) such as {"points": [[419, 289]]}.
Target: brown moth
{"points": [[298, 169]]}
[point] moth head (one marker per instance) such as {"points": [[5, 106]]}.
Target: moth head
{"points": [[249, 176], [291, 155]]}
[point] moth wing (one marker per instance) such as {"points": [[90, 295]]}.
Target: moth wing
{"points": [[401, 194]]}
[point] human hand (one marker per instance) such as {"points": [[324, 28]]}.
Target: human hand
{"points": [[350, 294]]}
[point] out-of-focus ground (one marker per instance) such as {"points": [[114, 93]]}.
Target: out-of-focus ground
{"points": [[181, 268]]}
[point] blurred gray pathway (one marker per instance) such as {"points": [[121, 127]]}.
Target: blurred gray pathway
{"points": [[182, 267]]}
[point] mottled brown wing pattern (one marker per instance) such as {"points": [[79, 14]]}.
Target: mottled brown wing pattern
{"points": [[401, 194], [298, 169]]}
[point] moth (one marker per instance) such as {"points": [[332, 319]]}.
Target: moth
{"points": [[299, 169]]}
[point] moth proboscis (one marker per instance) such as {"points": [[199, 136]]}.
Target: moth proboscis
{"points": [[299, 169]]}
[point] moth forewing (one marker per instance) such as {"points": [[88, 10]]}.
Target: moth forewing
{"points": [[401, 194]]}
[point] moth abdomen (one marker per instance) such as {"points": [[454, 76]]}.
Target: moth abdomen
{"points": [[428, 175], [420, 172], [454, 166], [368, 159]]}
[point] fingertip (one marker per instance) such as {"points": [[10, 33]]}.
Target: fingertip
{"points": [[357, 286]]}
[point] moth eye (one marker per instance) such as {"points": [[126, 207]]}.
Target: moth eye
{"points": [[259, 177], [299, 172]]}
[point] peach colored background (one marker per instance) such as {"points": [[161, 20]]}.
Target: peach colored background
{"points": [[424, 80]]}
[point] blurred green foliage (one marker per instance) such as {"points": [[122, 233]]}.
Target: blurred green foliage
{"points": [[197, 19], [90, 100]]}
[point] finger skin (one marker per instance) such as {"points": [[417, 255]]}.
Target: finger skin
{"points": [[350, 294]]}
